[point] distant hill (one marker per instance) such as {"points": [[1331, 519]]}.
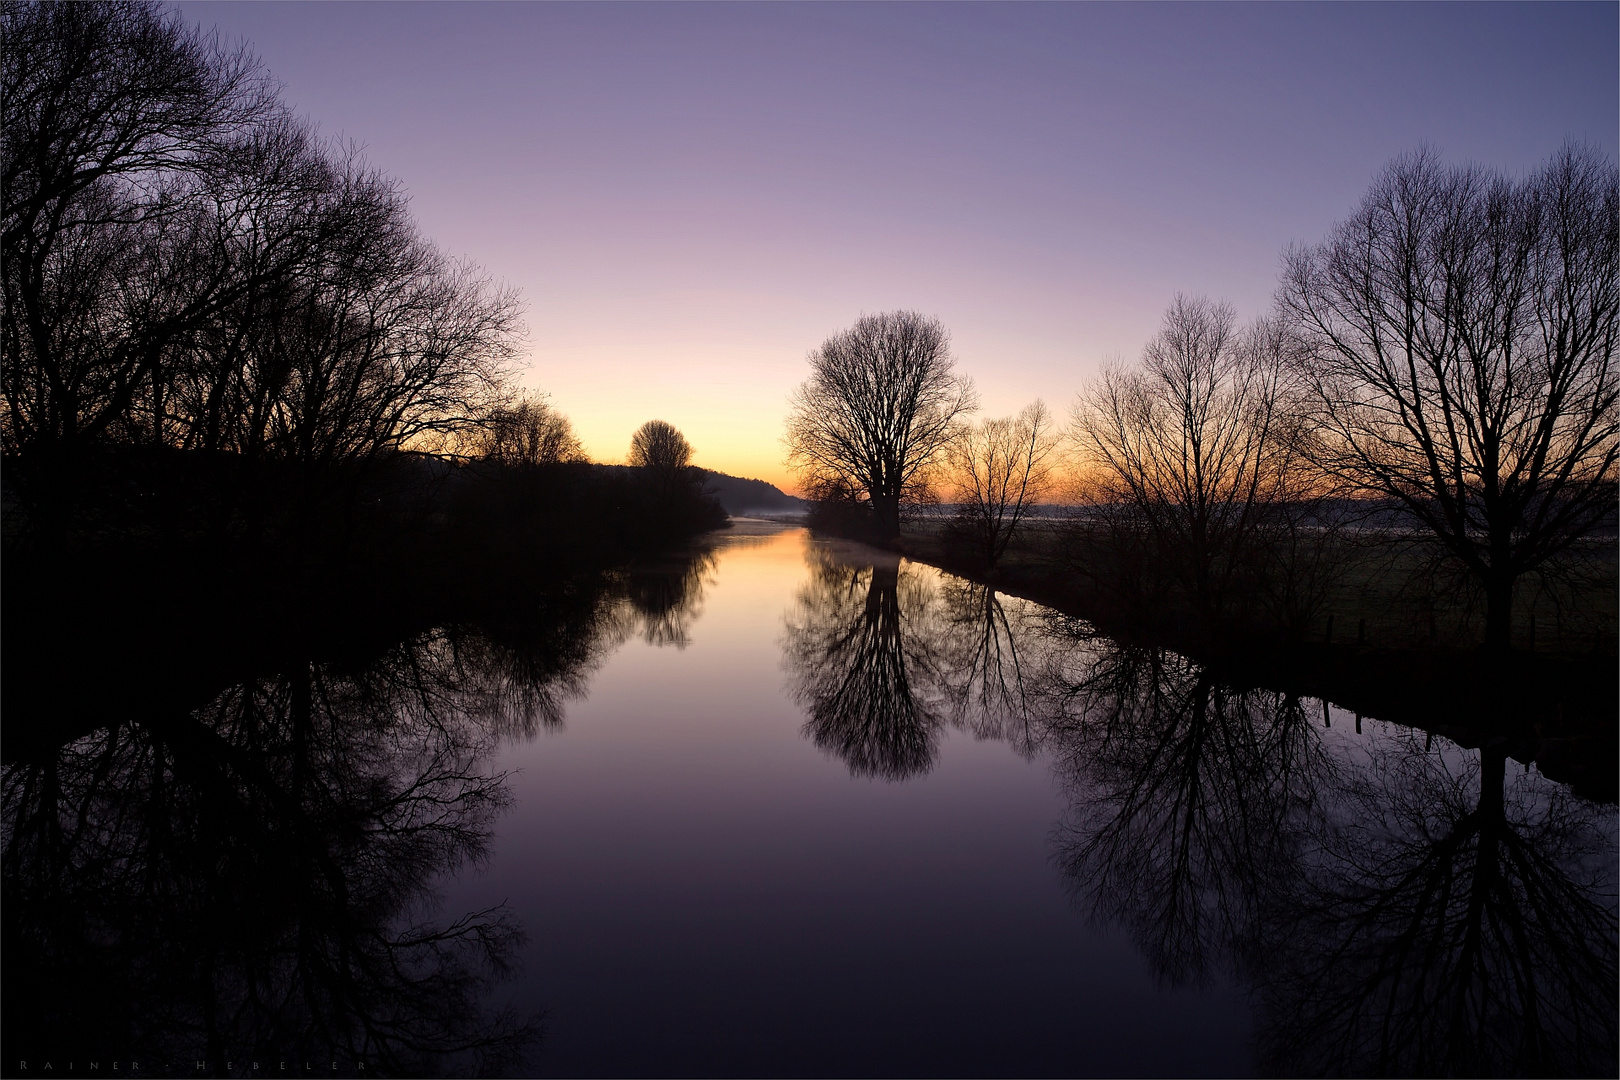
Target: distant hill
{"points": [[741, 497]]}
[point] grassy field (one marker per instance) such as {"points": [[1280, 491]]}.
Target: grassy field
{"points": [[1378, 593], [1404, 645]]}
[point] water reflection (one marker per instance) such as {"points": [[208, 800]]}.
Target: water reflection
{"points": [[1396, 907], [1184, 801], [1398, 910], [255, 877], [861, 649], [250, 876], [989, 674], [1451, 920], [665, 596], [883, 657], [257, 874], [529, 663]]}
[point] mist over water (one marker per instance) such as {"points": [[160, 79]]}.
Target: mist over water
{"points": [[778, 805]]}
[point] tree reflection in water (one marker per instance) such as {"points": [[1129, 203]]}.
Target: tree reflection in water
{"points": [[1184, 795], [860, 649], [1451, 921], [882, 660], [255, 876], [990, 665], [665, 597], [1396, 909]]}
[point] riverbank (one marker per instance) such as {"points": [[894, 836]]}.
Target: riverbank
{"points": [[149, 597], [1556, 709]]}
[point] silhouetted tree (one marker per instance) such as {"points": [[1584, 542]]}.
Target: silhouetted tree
{"points": [[1460, 330], [659, 447], [186, 267], [1189, 451], [673, 488], [1001, 468], [529, 432], [126, 139], [879, 409]]}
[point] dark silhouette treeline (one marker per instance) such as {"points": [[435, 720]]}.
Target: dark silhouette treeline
{"points": [[1396, 906], [191, 272], [226, 337], [1396, 490], [241, 390]]}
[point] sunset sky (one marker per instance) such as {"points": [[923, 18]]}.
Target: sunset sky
{"points": [[690, 197]]}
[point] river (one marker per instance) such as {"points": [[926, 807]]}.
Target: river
{"points": [[786, 806]]}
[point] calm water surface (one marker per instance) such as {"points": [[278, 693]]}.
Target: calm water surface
{"points": [[714, 881], [778, 806], [827, 813]]}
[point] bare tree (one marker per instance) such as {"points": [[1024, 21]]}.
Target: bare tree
{"points": [[1461, 331], [1001, 468], [127, 138], [529, 432], [1188, 446], [877, 413], [386, 345], [660, 447], [186, 267]]}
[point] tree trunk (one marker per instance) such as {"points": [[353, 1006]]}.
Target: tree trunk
{"points": [[886, 519], [1492, 781], [1499, 614]]}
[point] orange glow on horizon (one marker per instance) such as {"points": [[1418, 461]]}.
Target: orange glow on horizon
{"points": [[721, 441]]}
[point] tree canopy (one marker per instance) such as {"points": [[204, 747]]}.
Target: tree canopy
{"points": [[1458, 337], [657, 445], [187, 266], [880, 407]]}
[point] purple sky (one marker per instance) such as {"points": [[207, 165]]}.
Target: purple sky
{"points": [[691, 196]]}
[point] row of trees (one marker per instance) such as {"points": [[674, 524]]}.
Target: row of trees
{"points": [[1447, 353], [216, 323], [187, 266]]}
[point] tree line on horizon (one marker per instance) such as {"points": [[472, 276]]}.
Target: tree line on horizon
{"points": [[214, 317], [202, 297], [1441, 365]]}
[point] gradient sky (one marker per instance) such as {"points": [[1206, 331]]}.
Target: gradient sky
{"points": [[690, 197]]}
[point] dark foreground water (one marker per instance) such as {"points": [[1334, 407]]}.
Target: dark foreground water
{"points": [[784, 807]]}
